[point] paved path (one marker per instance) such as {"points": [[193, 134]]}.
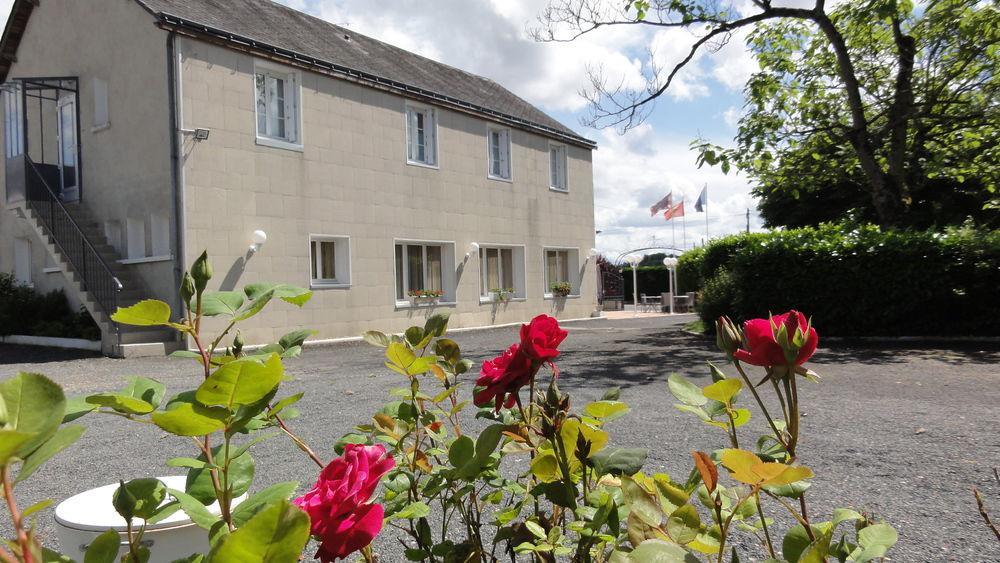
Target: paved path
{"points": [[903, 431]]}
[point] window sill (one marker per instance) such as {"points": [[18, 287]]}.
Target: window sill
{"points": [[550, 297], [280, 144], [52, 270], [559, 190], [490, 300], [328, 285], [499, 179], [145, 259], [101, 127], [407, 305], [422, 164]]}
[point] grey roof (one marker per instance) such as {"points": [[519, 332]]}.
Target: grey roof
{"points": [[310, 40]]}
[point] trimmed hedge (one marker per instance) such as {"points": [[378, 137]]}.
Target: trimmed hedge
{"points": [[856, 281]]}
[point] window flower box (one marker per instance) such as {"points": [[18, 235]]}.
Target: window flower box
{"points": [[560, 289], [503, 295], [425, 296]]}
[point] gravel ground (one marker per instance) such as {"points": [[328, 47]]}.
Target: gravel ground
{"points": [[903, 431]]}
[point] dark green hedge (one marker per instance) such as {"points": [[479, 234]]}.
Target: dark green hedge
{"points": [[652, 280], [856, 281], [23, 311]]}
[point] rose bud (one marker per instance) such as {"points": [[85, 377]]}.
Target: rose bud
{"points": [[728, 337]]}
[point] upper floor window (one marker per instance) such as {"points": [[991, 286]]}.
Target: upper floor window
{"points": [[277, 102], [557, 167], [421, 135], [329, 257], [499, 153]]}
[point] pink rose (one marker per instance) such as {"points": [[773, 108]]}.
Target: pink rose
{"points": [[764, 348], [541, 337], [343, 519]]}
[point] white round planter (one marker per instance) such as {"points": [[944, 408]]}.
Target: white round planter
{"points": [[83, 517]]}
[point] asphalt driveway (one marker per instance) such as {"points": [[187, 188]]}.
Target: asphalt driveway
{"points": [[903, 431]]}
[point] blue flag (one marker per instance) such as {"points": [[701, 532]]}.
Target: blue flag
{"points": [[702, 201]]}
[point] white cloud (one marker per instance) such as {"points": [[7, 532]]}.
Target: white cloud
{"points": [[732, 116]]}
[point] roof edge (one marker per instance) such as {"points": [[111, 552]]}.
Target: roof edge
{"points": [[197, 29]]}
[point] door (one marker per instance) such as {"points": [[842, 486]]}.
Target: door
{"points": [[69, 171]]}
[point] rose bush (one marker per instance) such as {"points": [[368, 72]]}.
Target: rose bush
{"points": [[540, 481]]}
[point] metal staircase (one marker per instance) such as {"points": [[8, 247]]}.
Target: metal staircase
{"points": [[78, 243]]}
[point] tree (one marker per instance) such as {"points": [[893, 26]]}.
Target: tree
{"points": [[876, 94]]}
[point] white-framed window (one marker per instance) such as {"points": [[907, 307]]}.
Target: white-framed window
{"points": [[13, 127], [421, 135], [498, 143], [562, 265], [424, 266], [22, 261], [501, 273], [330, 261], [102, 118], [557, 167], [276, 95]]}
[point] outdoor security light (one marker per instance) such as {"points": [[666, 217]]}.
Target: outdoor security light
{"points": [[257, 240], [202, 135], [593, 253], [473, 248]]}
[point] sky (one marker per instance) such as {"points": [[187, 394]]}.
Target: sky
{"points": [[631, 171]]}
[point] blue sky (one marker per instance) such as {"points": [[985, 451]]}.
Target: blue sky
{"points": [[631, 172]]}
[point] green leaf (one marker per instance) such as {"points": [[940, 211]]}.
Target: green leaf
{"points": [[874, 541], [139, 498], [660, 551], [34, 404], [619, 461], [412, 511], [214, 303], [606, 410], [295, 338], [612, 394], [145, 389], [723, 391], [436, 325], [487, 441], [191, 419], [375, 338], [104, 548], [262, 293], [684, 524], [276, 534], [685, 391], [77, 407], [187, 462], [241, 382], [286, 402], [41, 505], [258, 501], [149, 312], [796, 541], [11, 441], [199, 481], [194, 509], [62, 439], [461, 451], [121, 403], [641, 503]]}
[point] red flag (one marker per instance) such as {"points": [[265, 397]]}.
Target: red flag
{"points": [[664, 203], [675, 211]]}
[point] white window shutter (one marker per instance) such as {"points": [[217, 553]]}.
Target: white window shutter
{"points": [[411, 134], [505, 154], [430, 122]]}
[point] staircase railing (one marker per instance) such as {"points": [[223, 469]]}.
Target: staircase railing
{"points": [[97, 277]]}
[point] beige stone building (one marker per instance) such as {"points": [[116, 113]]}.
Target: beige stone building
{"points": [[138, 133]]}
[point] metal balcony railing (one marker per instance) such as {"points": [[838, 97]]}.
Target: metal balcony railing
{"points": [[97, 277]]}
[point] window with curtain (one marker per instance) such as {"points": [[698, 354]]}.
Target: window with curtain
{"points": [[329, 260], [557, 167], [419, 267], [561, 265], [502, 270]]}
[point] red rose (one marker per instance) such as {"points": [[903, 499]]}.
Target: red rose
{"points": [[764, 347], [541, 337], [503, 376], [343, 519]]}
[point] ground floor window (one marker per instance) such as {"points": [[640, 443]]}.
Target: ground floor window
{"points": [[501, 272], [329, 258], [421, 270], [562, 274]]}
